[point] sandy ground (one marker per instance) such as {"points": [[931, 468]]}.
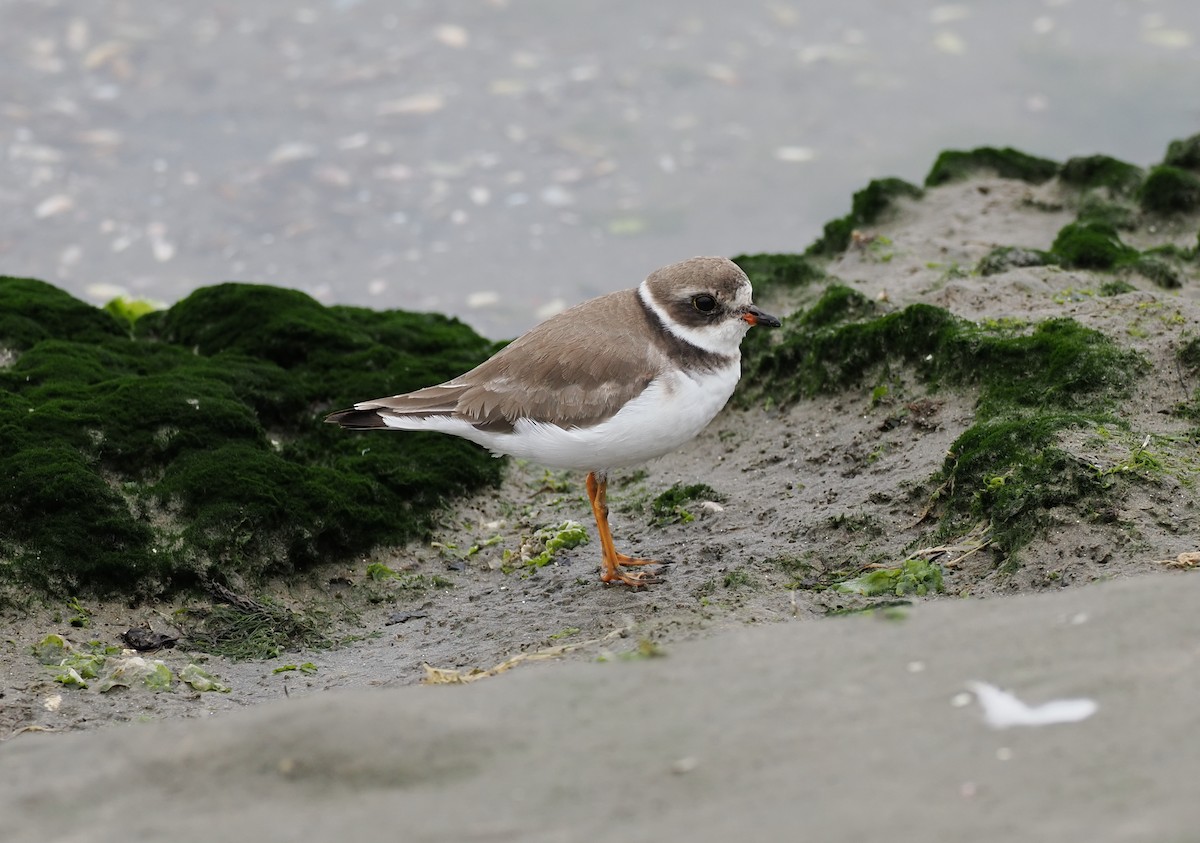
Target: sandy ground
{"points": [[831, 729], [847, 729]]}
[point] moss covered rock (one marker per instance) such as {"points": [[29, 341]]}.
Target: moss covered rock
{"points": [[770, 274], [956, 165], [1004, 258], [1091, 245], [138, 457], [1184, 154], [1092, 172], [1033, 382], [868, 207], [1170, 190]]}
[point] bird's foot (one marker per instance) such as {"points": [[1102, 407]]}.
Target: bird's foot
{"points": [[622, 559], [633, 580]]}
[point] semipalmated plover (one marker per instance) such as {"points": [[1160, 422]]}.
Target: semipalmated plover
{"points": [[609, 383]]}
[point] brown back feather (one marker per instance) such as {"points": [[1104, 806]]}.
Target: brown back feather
{"points": [[553, 373]]}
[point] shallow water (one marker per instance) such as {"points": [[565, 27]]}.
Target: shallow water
{"points": [[500, 160]]}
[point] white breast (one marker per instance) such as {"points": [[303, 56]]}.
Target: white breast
{"points": [[672, 410]]}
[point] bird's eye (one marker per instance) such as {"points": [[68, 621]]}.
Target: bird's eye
{"points": [[704, 304]]}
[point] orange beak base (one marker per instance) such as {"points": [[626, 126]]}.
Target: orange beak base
{"points": [[756, 317]]}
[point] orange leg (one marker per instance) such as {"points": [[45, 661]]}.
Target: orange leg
{"points": [[597, 489]]}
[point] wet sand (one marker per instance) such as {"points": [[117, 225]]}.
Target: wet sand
{"points": [[849, 729]]}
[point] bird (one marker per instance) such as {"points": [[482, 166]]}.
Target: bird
{"points": [[612, 382]]}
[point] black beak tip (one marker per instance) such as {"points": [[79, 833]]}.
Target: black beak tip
{"points": [[756, 317]]}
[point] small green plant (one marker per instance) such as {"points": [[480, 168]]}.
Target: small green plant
{"points": [[201, 680], [406, 580], [129, 311], [855, 523], [307, 667], [256, 630], [557, 481], [913, 576], [551, 540], [738, 578], [379, 572], [667, 508], [645, 649], [81, 618], [1116, 287]]}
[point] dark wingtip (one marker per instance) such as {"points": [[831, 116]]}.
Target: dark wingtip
{"points": [[356, 419]]}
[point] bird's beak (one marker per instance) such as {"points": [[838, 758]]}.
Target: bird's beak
{"points": [[756, 317]]}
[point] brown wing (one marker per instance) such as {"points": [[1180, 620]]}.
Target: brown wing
{"points": [[574, 370]]}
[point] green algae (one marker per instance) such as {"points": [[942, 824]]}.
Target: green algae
{"points": [[1097, 245], [668, 507], [1189, 354], [1120, 214], [1008, 471], [129, 311], [550, 540], [136, 672], [1004, 258], [256, 630], [199, 679], [75, 667], [1059, 363], [957, 165], [1033, 382], [1184, 154], [770, 273], [307, 667], [1093, 172], [1091, 245], [50, 650], [1189, 360], [837, 304], [867, 207], [1161, 270], [405, 580], [1116, 287], [1169, 190], [140, 456], [31, 310], [913, 576]]}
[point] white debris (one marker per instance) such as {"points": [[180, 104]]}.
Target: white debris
{"points": [[1002, 709], [685, 765], [950, 43], [426, 103], [949, 13], [483, 298], [286, 153], [452, 36], [54, 205], [556, 196], [795, 154]]}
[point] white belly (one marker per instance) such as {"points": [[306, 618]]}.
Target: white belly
{"points": [[671, 411]]}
